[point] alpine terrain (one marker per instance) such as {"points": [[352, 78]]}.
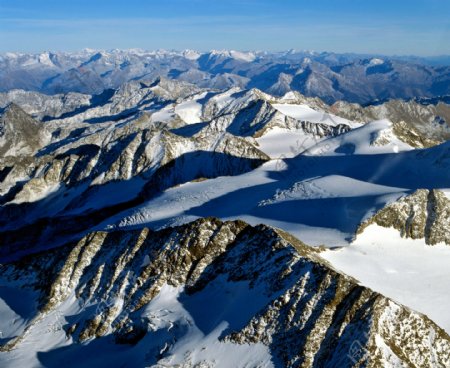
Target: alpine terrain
{"points": [[224, 209]]}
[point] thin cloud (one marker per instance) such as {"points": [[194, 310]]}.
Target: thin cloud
{"points": [[111, 22]]}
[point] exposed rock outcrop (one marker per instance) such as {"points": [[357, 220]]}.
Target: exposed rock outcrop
{"points": [[424, 214]]}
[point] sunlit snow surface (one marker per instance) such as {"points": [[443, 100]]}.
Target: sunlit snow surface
{"points": [[406, 270], [190, 111], [306, 113], [281, 143], [189, 323], [374, 138], [321, 197]]}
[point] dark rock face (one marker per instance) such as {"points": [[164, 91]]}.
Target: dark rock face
{"points": [[20, 134], [425, 214]]}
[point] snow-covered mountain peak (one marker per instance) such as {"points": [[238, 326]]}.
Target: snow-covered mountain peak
{"points": [[237, 55], [376, 61], [191, 54]]}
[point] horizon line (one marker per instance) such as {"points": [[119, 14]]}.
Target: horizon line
{"points": [[206, 51]]}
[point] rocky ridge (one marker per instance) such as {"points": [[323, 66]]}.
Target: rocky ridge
{"points": [[424, 214], [20, 134], [417, 124], [307, 314]]}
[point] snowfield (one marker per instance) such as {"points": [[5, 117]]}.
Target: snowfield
{"points": [[306, 113], [283, 143], [374, 138], [406, 270], [190, 111]]}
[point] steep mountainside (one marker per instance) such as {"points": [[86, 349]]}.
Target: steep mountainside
{"points": [[20, 135], [209, 293], [425, 214]]}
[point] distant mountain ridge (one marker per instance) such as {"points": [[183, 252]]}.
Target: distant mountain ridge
{"points": [[363, 79]]}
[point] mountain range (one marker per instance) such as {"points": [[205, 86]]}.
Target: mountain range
{"points": [[364, 79], [159, 222]]}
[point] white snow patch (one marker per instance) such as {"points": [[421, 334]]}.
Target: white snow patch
{"points": [[289, 96], [243, 56], [446, 192], [163, 115], [362, 141], [224, 99], [406, 270], [190, 111], [191, 54], [376, 61], [305, 113], [40, 194], [281, 142]]}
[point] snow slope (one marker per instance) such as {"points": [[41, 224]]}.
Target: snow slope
{"points": [[322, 199], [306, 113], [376, 137], [191, 111], [281, 143], [407, 270], [47, 345]]}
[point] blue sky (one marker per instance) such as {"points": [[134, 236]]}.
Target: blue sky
{"points": [[420, 27]]}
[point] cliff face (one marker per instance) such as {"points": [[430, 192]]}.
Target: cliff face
{"points": [[233, 285], [425, 214], [20, 134]]}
